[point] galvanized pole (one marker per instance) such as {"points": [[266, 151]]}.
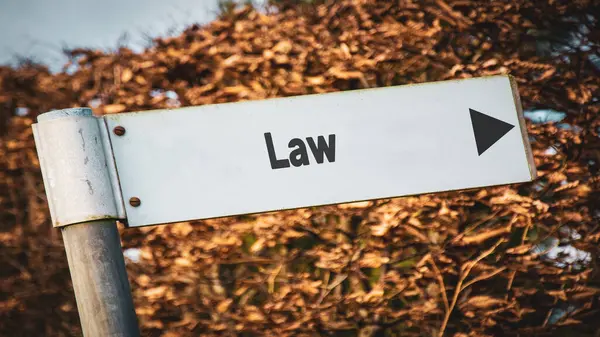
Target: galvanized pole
{"points": [[99, 279], [75, 158]]}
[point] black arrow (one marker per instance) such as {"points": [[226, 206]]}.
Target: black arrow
{"points": [[488, 130]]}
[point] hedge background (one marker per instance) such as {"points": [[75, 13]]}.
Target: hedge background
{"points": [[516, 260]]}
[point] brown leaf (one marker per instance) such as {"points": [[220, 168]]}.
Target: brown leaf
{"points": [[484, 302], [156, 292], [373, 260], [484, 235], [126, 75], [283, 47], [224, 305], [114, 108]]}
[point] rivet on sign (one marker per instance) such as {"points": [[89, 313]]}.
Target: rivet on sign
{"points": [[135, 201], [119, 130]]}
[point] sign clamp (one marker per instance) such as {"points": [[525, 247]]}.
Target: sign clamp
{"points": [[78, 167]]}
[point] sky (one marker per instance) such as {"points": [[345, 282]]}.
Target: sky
{"points": [[39, 29]]}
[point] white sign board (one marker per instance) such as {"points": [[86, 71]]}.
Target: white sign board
{"points": [[257, 156]]}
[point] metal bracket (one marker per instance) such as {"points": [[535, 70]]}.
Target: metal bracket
{"points": [[78, 167]]}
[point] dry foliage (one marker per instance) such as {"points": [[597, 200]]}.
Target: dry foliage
{"points": [[473, 263]]}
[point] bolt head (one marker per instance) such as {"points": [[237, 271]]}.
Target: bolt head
{"points": [[135, 201], [119, 130]]}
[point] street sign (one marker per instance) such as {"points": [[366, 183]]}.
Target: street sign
{"points": [[257, 156]]}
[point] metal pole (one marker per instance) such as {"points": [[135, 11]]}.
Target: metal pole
{"points": [[100, 279], [75, 161]]}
